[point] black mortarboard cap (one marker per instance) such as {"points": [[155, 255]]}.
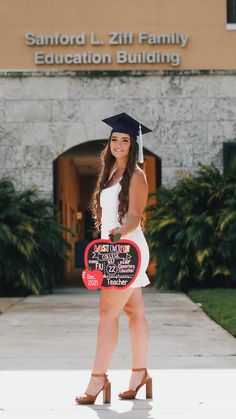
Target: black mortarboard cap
{"points": [[126, 124], [122, 122]]}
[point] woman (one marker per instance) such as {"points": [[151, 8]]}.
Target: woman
{"points": [[117, 206]]}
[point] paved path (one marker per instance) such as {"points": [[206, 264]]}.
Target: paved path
{"points": [[47, 349]]}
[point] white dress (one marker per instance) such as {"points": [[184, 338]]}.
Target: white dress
{"points": [[109, 204]]}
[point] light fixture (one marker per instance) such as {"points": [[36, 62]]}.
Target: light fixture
{"points": [[79, 215]]}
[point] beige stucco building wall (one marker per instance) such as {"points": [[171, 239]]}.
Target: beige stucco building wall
{"points": [[196, 31], [42, 117]]}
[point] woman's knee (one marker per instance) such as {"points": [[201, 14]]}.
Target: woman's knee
{"points": [[108, 313], [134, 312]]}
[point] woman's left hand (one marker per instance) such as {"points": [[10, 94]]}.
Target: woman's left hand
{"points": [[117, 230]]}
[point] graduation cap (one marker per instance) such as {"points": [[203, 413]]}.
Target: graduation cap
{"points": [[128, 125]]}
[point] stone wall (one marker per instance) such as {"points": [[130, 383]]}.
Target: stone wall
{"points": [[43, 116]]}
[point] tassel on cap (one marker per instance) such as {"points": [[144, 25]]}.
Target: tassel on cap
{"points": [[140, 145]]}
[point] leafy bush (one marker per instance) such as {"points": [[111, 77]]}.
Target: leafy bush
{"points": [[192, 231], [32, 247]]}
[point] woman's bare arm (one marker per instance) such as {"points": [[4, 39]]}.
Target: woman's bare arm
{"points": [[138, 193]]}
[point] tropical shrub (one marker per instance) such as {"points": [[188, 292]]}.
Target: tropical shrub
{"points": [[32, 247], [191, 231]]}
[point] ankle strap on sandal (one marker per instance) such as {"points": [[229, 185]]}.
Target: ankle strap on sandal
{"points": [[99, 375], [138, 369]]}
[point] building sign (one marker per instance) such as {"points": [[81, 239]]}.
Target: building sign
{"points": [[116, 48]]}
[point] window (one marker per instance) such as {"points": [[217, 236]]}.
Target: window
{"points": [[229, 155], [231, 14]]}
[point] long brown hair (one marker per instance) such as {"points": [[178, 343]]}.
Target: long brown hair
{"points": [[107, 161]]}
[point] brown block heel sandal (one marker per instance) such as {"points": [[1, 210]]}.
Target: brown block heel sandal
{"points": [[131, 394], [89, 399]]}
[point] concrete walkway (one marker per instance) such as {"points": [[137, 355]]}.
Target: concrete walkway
{"points": [[48, 345]]}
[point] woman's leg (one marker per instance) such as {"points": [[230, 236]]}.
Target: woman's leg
{"points": [[139, 334], [112, 302]]}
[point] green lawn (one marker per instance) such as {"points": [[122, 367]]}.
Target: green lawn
{"points": [[219, 304]]}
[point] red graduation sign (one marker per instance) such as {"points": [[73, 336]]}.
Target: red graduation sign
{"points": [[111, 264]]}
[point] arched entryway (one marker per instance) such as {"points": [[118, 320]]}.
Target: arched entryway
{"points": [[74, 177]]}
